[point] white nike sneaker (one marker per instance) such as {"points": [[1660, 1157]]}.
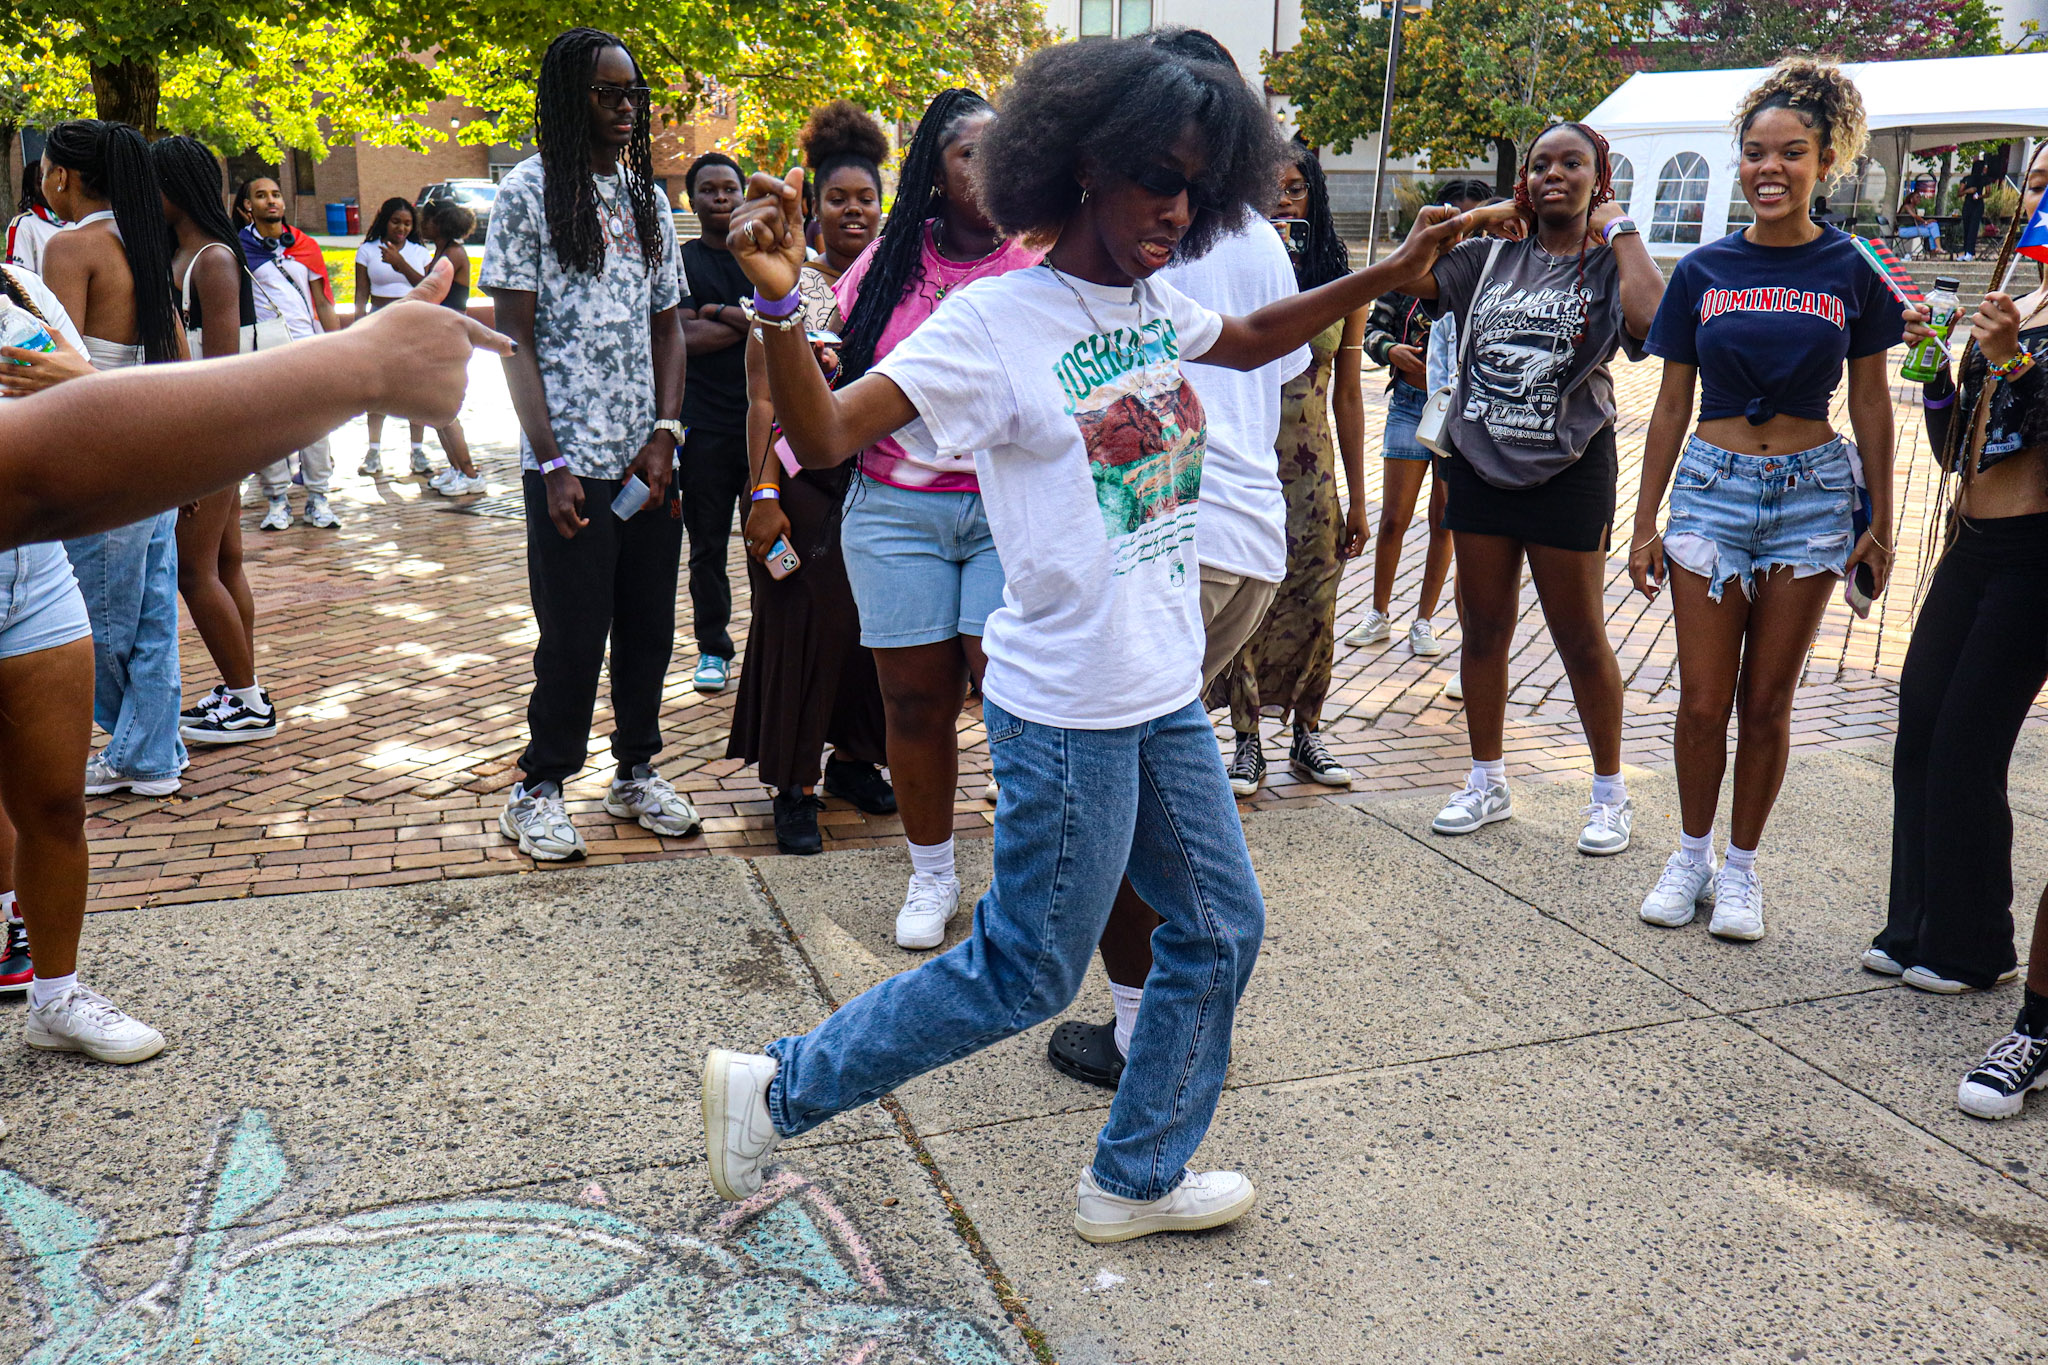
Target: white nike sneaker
{"points": [[928, 908], [86, 1021], [1203, 1199], [1470, 809], [738, 1134], [1682, 887], [1607, 828]]}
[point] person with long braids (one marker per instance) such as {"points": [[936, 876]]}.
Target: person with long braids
{"points": [[808, 680], [1763, 323], [1065, 381], [112, 272], [1534, 469], [581, 261], [390, 262], [218, 308], [1978, 659], [915, 536]]}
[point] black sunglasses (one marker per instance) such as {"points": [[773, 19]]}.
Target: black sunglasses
{"points": [[612, 96], [1167, 182]]}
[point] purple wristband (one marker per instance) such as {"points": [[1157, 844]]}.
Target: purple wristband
{"points": [[1938, 402], [778, 308]]}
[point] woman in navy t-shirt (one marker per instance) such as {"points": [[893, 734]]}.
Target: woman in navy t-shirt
{"points": [[1766, 492]]}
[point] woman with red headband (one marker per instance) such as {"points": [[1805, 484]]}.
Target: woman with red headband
{"points": [[1532, 468]]}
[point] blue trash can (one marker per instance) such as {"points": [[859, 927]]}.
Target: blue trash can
{"points": [[337, 220]]}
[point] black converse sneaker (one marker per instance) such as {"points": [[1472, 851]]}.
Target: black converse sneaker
{"points": [[232, 721], [1998, 1087], [1247, 766], [1312, 760], [206, 704]]}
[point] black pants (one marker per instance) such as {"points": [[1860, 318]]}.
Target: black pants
{"points": [[614, 579], [714, 476], [1973, 220], [1978, 658]]}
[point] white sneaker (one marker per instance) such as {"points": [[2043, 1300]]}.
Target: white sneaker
{"points": [[278, 517], [1920, 979], [102, 780], [1876, 959], [991, 791], [648, 798], [539, 823], [1682, 887], [439, 483], [1373, 629], [1738, 906], [1607, 828], [462, 485], [1203, 1199], [86, 1021], [1422, 641], [1470, 809], [1455, 688], [420, 463], [373, 464], [928, 908], [738, 1134], [319, 514]]}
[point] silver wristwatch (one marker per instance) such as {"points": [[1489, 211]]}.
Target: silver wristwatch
{"points": [[673, 428]]}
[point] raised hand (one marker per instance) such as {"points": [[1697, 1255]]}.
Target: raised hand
{"points": [[766, 234], [419, 352]]}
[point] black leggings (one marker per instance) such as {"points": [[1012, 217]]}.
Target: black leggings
{"points": [[1977, 660]]}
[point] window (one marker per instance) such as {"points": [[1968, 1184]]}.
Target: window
{"points": [[1624, 181], [1681, 200], [1740, 214], [1115, 18], [1133, 17]]}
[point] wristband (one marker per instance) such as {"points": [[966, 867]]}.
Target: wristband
{"points": [[777, 308], [2012, 369], [1935, 404], [552, 465], [767, 490], [1618, 227]]}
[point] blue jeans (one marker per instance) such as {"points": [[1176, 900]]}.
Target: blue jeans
{"points": [[130, 580], [1077, 808], [1736, 516]]}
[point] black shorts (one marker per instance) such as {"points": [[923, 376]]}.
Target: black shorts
{"points": [[1573, 511]]}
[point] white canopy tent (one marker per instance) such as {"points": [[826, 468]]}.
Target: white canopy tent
{"points": [[1674, 129]]}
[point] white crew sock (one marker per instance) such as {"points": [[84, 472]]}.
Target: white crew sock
{"points": [[932, 860], [1127, 1000], [419, 447], [371, 448], [1742, 860], [1699, 852], [43, 989], [1609, 790], [250, 696], [1487, 772], [7, 904]]}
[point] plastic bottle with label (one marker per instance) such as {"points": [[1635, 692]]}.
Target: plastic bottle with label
{"points": [[1923, 363]]}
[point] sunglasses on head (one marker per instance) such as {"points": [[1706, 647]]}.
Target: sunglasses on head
{"points": [[1167, 182], [612, 96]]}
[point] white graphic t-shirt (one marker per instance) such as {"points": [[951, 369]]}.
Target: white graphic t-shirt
{"points": [[1088, 447]]}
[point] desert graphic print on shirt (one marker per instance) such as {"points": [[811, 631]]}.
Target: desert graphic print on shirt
{"points": [[1144, 430]]}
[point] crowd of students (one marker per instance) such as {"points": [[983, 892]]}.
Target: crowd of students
{"points": [[1065, 428]]}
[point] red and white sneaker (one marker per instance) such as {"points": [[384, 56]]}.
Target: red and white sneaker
{"points": [[16, 971]]}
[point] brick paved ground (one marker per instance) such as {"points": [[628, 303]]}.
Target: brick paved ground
{"points": [[398, 649]]}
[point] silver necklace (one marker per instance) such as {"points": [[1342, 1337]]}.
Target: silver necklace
{"points": [[614, 217], [1093, 321]]}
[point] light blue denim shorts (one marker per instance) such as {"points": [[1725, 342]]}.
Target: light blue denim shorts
{"points": [[1736, 516], [40, 605], [923, 564], [1405, 403]]}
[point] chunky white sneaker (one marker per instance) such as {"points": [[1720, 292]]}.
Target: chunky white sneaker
{"points": [[1607, 828], [738, 1134], [102, 780], [1876, 959], [1455, 688], [463, 485], [278, 517], [991, 791], [928, 908], [86, 1021], [1920, 979], [420, 463], [1682, 888], [1738, 906], [373, 464], [1422, 641], [1997, 1087], [539, 823], [648, 798], [1203, 1199], [1470, 809], [1373, 629], [439, 483], [318, 514]]}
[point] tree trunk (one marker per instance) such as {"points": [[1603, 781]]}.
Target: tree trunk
{"points": [[1506, 163], [11, 181], [127, 92]]}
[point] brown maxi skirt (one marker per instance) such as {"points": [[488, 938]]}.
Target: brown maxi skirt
{"points": [[805, 681]]}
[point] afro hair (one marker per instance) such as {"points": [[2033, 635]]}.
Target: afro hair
{"points": [[1121, 107], [842, 133]]}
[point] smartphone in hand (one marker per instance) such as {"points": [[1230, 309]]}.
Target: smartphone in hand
{"points": [[782, 561]]}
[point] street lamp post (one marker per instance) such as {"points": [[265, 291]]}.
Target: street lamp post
{"points": [[1379, 177]]}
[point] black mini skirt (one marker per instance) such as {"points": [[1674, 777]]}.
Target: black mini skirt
{"points": [[1572, 511]]}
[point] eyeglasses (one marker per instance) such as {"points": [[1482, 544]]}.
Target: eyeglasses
{"points": [[612, 96], [1167, 182]]}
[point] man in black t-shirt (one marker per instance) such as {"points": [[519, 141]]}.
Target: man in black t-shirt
{"points": [[714, 455]]}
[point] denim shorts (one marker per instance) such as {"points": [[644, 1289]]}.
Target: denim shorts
{"points": [[922, 563], [1405, 403], [1736, 516], [40, 605]]}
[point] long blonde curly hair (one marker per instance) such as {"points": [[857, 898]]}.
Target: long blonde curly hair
{"points": [[1820, 93]]}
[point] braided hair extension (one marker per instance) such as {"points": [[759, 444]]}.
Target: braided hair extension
{"points": [[1326, 258], [11, 287], [113, 161], [898, 262], [561, 118], [190, 178], [382, 222], [1603, 190]]}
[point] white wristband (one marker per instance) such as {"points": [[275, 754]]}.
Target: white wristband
{"points": [[1619, 227]]}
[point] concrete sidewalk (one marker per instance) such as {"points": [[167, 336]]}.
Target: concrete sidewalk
{"points": [[1491, 1115]]}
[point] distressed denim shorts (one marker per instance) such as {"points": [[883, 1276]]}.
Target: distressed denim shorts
{"points": [[40, 605], [1736, 516]]}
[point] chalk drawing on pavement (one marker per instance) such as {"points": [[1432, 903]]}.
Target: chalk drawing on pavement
{"points": [[784, 1277]]}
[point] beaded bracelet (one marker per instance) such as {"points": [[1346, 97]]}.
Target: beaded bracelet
{"points": [[2012, 369]]}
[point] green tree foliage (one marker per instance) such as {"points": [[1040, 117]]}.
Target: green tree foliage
{"points": [[1735, 33]]}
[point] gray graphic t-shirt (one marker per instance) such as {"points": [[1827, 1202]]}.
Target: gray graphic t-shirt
{"points": [[590, 332], [1529, 398]]}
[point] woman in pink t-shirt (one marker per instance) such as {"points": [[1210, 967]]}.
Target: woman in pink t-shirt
{"points": [[916, 542]]}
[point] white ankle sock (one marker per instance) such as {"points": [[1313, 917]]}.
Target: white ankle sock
{"points": [[1609, 790], [1487, 772], [932, 860], [1127, 999], [43, 989], [1742, 859], [1699, 852], [250, 696], [419, 447]]}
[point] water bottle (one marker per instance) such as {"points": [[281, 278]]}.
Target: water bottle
{"points": [[1923, 364], [19, 328]]}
